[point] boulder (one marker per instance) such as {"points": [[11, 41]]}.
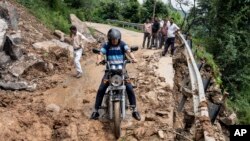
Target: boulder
{"points": [[22, 85], [4, 58], [9, 13], [12, 50], [60, 35], [47, 45], [19, 67], [15, 37], [3, 28]]}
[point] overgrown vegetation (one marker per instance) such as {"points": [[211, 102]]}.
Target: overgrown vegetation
{"points": [[55, 13], [223, 27]]}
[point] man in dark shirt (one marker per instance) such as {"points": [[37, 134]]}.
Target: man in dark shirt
{"points": [[155, 30]]}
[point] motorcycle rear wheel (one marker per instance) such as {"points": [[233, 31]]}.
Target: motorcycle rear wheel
{"points": [[117, 119]]}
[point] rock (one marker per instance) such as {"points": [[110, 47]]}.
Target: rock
{"points": [[50, 66], [60, 35], [139, 132], [161, 113], [53, 108], [163, 84], [81, 27], [19, 67], [15, 37], [9, 13], [48, 45], [152, 97], [4, 59], [131, 138], [84, 101], [3, 27], [17, 86], [162, 79], [12, 50], [230, 120], [150, 117], [161, 134]]}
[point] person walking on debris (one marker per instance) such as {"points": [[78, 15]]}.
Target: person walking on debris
{"points": [[155, 30], [172, 30], [77, 42], [115, 51], [147, 33]]}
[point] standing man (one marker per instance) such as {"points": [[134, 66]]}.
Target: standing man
{"points": [[172, 30], [77, 42], [155, 30], [147, 33], [164, 31]]}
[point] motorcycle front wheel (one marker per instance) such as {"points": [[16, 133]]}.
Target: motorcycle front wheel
{"points": [[117, 119]]}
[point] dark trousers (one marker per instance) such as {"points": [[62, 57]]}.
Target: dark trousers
{"points": [[102, 89], [154, 40], [146, 36], [169, 42], [162, 41]]}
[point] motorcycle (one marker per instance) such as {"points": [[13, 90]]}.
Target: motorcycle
{"points": [[115, 99]]}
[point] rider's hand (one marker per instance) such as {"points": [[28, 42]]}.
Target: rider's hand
{"points": [[134, 61]]}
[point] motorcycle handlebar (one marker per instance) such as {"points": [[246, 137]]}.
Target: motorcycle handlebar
{"points": [[103, 62]]}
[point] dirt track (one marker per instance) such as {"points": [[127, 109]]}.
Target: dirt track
{"points": [[62, 112]]}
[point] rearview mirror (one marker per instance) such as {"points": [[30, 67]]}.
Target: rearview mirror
{"points": [[96, 51], [134, 48]]}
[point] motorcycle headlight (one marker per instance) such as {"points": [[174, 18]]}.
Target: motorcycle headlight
{"points": [[116, 80]]}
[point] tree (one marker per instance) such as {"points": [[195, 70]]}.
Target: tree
{"points": [[130, 11]]}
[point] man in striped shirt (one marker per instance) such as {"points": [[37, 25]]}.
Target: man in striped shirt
{"points": [[115, 51]]}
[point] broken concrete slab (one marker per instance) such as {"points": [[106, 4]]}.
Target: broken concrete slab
{"points": [[22, 85], [3, 28]]}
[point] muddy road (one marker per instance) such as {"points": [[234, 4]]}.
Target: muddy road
{"points": [[62, 112]]}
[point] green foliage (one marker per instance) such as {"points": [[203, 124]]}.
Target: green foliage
{"points": [[130, 11], [223, 25], [241, 105], [161, 10]]}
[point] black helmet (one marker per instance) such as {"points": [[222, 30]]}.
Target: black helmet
{"points": [[114, 34]]}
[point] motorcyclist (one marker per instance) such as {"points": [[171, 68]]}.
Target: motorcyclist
{"points": [[115, 51]]}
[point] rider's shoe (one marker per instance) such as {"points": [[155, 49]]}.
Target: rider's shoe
{"points": [[136, 115], [94, 115]]}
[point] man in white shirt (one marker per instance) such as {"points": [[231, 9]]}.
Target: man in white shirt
{"points": [[147, 33], [78, 46], [172, 30]]}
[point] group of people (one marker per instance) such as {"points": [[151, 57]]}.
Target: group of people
{"points": [[160, 32]]}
